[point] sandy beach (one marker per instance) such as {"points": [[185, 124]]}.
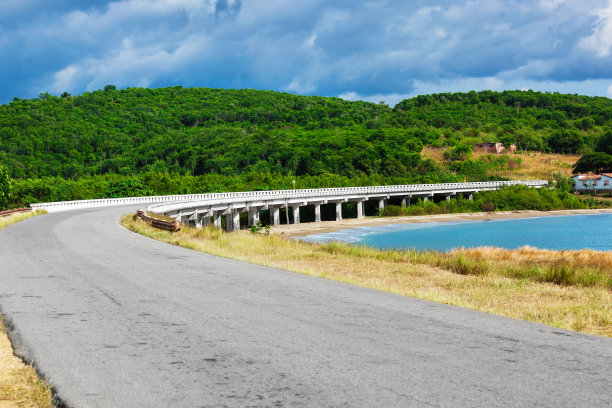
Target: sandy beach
{"points": [[300, 230]]}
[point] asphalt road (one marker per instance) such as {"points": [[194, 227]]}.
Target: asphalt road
{"points": [[113, 319]]}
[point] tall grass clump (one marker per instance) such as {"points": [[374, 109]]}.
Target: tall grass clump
{"points": [[587, 268], [16, 217], [462, 265]]}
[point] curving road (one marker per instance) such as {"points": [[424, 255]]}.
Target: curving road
{"points": [[113, 319]]}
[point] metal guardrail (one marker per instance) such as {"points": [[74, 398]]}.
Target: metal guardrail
{"points": [[13, 211], [165, 225]]}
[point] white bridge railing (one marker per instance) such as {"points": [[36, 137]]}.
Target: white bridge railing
{"points": [[201, 210], [173, 203]]}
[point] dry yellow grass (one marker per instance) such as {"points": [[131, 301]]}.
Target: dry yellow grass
{"points": [[20, 386], [13, 218], [532, 166], [423, 275], [19, 383], [526, 255]]}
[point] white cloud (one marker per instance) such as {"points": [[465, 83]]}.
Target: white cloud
{"points": [[600, 41], [374, 50], [310, 41], [536, 68], [588, 87], [390, 99], [300, 85], [130, 66], [64, 79]]}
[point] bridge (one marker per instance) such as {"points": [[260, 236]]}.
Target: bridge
{"points": [[212, 207], [202, 209]]}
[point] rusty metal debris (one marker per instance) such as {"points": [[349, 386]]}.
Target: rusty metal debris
{"points": [[16, 210], [154, 222]]}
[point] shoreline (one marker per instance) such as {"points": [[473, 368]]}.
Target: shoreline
{"points": [[305, 229]]}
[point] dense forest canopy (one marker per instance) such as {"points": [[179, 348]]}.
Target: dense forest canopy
{"points": [[196, 131]]}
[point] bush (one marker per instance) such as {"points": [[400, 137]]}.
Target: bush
{"points": [[392, 211], [487, 207], [6, 187]]}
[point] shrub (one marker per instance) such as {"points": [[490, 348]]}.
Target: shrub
{"points": [[392, 211], [487, 207], [6, 187]]}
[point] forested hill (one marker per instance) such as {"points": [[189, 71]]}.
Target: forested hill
{"points": [[201, 131], [538, 121]]}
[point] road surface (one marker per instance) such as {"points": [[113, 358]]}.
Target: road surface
{"points": [[113, 319]]}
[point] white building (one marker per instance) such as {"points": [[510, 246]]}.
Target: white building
{"points": [[593, 182]]}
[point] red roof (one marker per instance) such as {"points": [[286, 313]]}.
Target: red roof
{"points": [[592, 176]]}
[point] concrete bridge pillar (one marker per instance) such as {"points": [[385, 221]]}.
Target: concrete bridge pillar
{"points": [[381, 203], [338, 211], [184, 219], [217, 218], [471, 197], [296, 214], [229, 220], [275, 215], [205, 221], [202, 219], [425, 199], [253, 217], [448, 198], [317, 208], [235, 220], [360, 212], [403, 202]]}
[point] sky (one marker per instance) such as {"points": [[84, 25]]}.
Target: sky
{"points": [[383, 50]]}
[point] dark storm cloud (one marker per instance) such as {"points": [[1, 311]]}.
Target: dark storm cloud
{"points": [[371, 50]]}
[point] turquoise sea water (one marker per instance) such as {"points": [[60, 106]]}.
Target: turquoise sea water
{"points": [[555, 232]]}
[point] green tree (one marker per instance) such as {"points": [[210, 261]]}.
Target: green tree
{"points": [[605, 143], [565, 141], [460, 152], [597, 162], [5, 188]]}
